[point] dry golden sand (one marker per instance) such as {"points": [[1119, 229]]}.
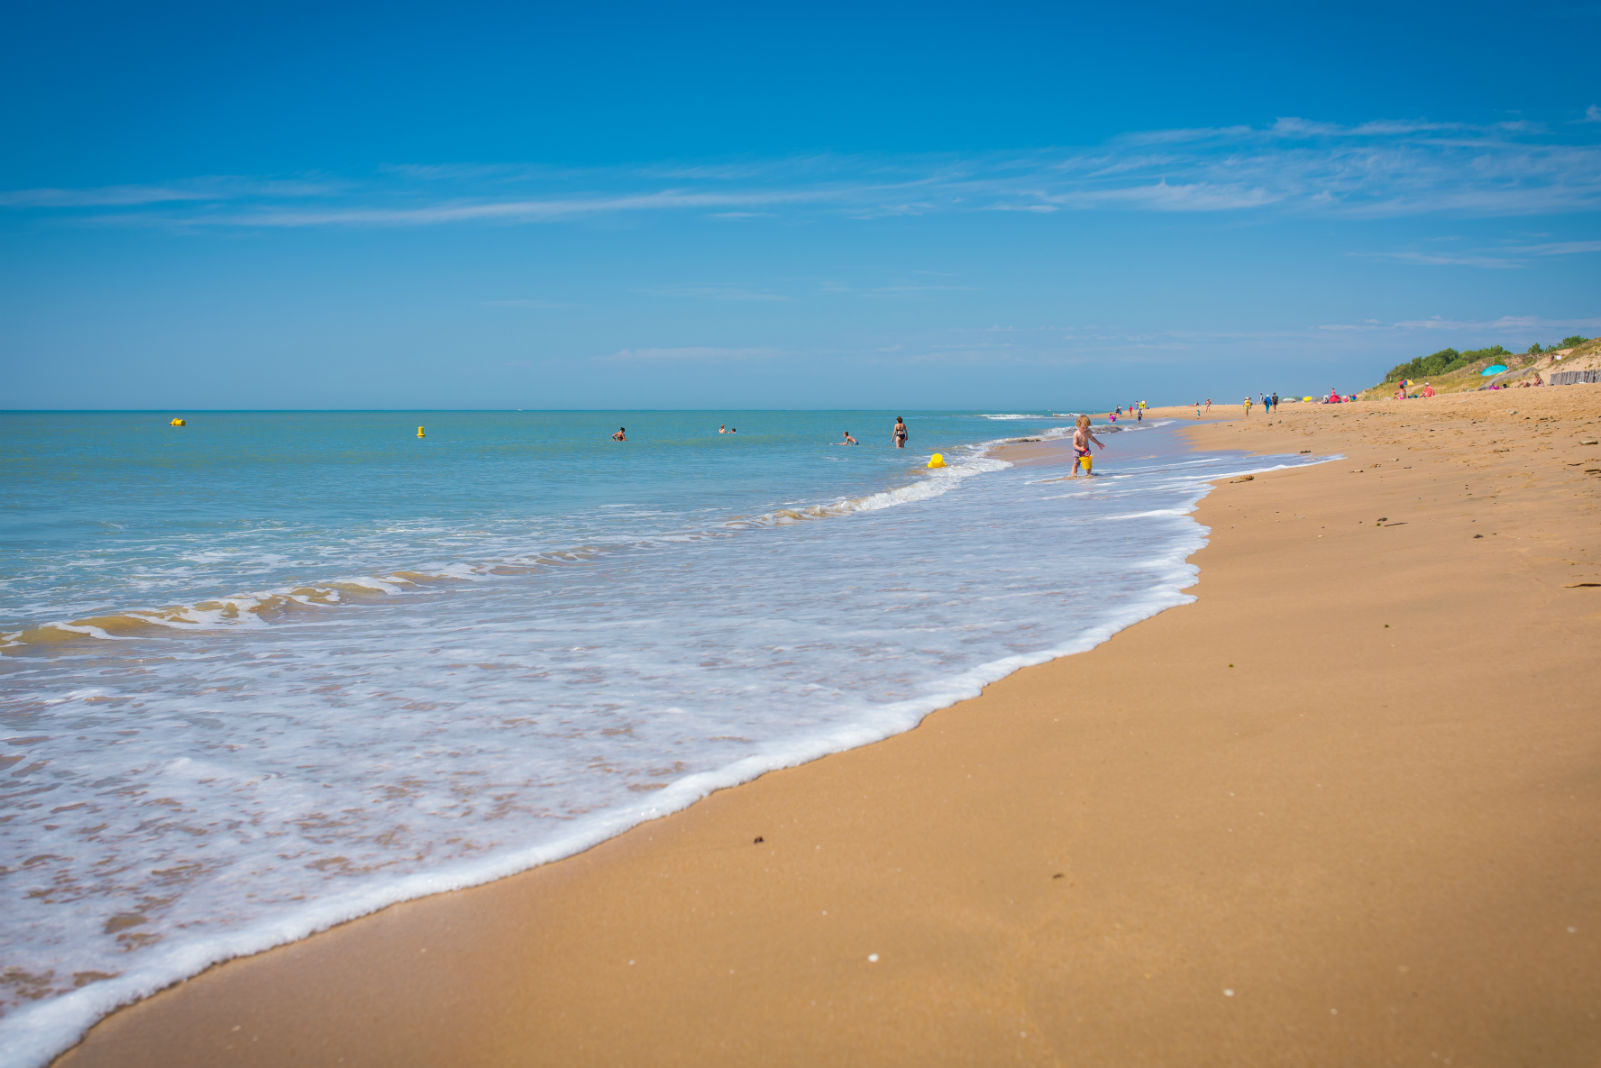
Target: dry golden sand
{"points": [[1343, 810]]}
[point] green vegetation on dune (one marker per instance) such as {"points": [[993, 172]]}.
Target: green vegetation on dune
{"points": [[1447, 360], [1450, 371], [1442, 362]]}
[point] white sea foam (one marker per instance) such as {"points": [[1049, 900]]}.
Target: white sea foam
{"points": [[531, 702]]}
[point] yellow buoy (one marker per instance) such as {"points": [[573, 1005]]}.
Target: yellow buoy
{"points": [[420, 433], [937, 460], [177, 422]]}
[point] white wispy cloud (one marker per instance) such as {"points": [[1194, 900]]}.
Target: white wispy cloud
{"points": [[1162, 196], [1445, 259], [914, 289], [1561, 248], [695, 353], [512, 211], [716, 291], [1182, 136], [1505, 324], [1511, 257], [1377, 169], [199, 189], [104, 197]]}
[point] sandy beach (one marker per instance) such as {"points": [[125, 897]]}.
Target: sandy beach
{"points": [[1340, 810]]}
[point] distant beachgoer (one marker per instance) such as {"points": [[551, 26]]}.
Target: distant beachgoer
{"points": [[722, 428], [1082, 437], [1428, 390], [621, 435], [1209, 406], [900, 433], [1247, 404], [1139, 414], [1197, 409], [848, 439], [1275, 402], [733, 430]]}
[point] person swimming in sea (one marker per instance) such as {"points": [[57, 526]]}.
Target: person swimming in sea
{"points": [[621, 435], [900, 433], [848, 439]]}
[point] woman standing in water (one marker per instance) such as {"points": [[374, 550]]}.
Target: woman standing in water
{"points": [[900, 433]]}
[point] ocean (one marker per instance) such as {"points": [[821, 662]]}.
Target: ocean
{"points": [[267, 672]]}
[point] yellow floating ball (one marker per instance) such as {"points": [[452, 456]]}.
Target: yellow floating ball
{"points": [[177, 422], [937, 460]]}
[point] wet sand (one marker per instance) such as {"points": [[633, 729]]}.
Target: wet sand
{"points": [[1341, 810]]}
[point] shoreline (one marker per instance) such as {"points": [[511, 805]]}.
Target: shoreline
{"points": [[1083, 884]]}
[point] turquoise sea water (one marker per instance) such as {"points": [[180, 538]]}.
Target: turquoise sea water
{"points": [[270, 671]]}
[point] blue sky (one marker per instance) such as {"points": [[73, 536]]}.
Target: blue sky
{"points": [[825, 206]]}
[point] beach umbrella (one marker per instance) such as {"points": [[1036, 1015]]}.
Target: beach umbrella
{"points": [[1493, 369]]}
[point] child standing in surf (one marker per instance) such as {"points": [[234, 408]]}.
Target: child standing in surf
{"points": [[1082, 437]]}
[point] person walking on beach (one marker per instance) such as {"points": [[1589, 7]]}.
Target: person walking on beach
{"points": [[900, 433], [1247, 404], [1082, 436], [1209, 406], [621, 435]]}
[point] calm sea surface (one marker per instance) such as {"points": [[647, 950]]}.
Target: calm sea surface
{"points": [[270, 671]]}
